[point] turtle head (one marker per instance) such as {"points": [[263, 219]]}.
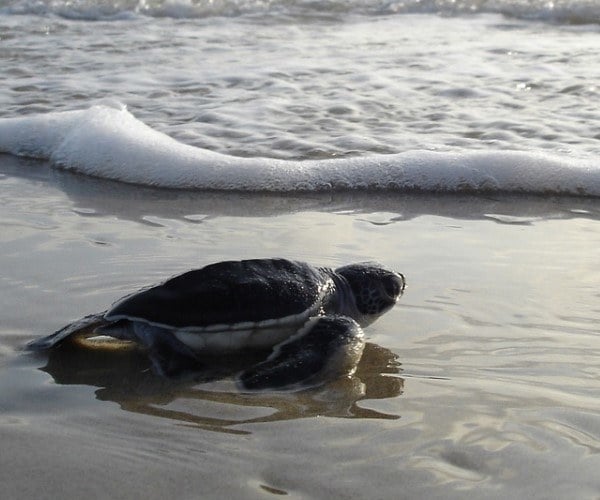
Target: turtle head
{"points": [[375, 289]]}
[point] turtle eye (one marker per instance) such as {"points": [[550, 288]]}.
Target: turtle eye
{"points": [[392, 287]]}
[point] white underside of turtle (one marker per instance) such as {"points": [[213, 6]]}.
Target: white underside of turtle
{"points": [[259, 335]]}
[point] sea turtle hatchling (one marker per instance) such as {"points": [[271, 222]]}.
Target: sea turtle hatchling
{"points": [[311, 318]]}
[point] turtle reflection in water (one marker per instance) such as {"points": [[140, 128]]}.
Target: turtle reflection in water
{"points": [[311, 318]]}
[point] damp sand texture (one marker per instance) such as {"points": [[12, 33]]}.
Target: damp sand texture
{"points": [[481, 383]]}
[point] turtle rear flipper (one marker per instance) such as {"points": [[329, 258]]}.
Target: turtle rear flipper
{"points": [[82, 327], [170, 358], [325, 348]]}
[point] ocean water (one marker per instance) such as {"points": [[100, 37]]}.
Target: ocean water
{"points": [[420, 95], [455, 141]]}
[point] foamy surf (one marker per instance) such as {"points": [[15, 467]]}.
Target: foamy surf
{"points": [[107, 141]]}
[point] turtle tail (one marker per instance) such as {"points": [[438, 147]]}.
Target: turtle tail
{"points": [[325, 348], [81, 328]]}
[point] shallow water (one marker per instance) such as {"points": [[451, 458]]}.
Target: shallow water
{"points": [[481, 383]]}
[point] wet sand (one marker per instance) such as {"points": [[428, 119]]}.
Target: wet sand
{"points": [[482, 383]]}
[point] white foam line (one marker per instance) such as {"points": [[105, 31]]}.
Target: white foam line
{"points": [[109, 142]]}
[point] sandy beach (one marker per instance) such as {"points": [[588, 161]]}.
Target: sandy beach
{"points": [[482, 383]]}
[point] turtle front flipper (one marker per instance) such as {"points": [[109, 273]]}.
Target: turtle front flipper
{"points": [[81, 328], [325, 348]]}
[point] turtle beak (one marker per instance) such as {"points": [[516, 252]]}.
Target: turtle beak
{"points": [[401, 283]]}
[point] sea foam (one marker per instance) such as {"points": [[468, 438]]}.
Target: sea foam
{"points": [[107, 141]]}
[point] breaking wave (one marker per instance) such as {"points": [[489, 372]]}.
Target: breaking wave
{"points": [[109, 142]]}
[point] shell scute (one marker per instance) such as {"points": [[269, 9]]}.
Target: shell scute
{"points": [[229, 295]]}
